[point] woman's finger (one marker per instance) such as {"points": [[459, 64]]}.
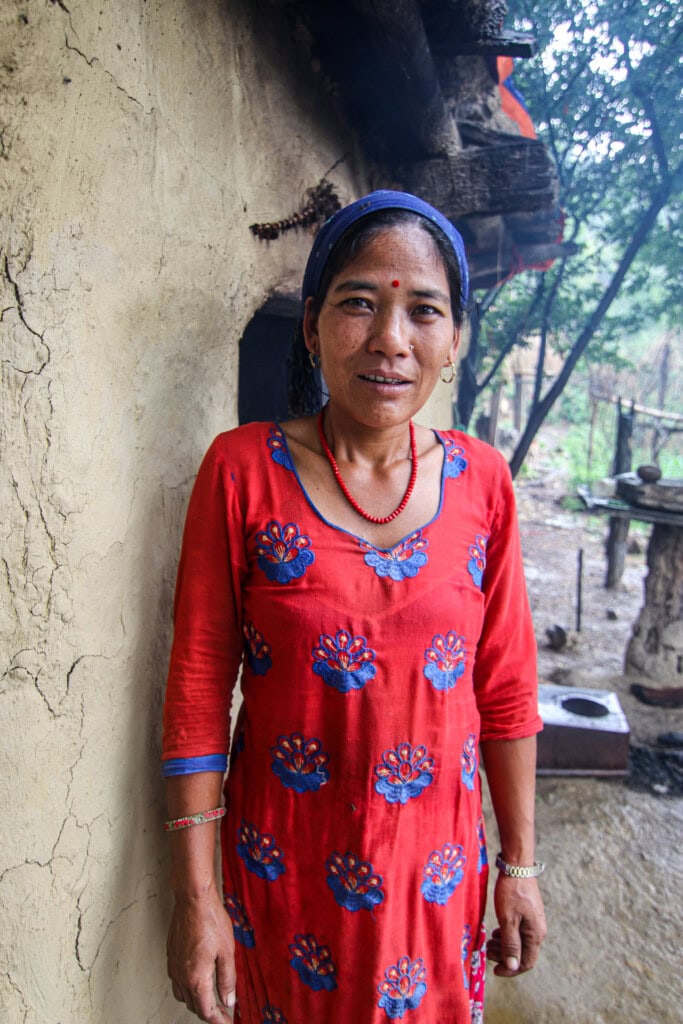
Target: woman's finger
{"points": [[207, 1007], [226, 979]]}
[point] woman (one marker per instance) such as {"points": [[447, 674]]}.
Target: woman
{"points": [[366, 573]]}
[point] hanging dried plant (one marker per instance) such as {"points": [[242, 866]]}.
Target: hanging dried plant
{"points": [[320, 202]]}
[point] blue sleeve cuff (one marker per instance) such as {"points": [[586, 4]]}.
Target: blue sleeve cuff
{"points": [[189, 765]]}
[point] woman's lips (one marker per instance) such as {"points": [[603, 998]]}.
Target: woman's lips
{"points": [[377, 378]]}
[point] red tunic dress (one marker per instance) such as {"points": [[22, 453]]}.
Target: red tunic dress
{"points": [[353, 848]]}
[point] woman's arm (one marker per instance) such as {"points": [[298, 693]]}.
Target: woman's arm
{"points": [[511, 773], [201, 961]]}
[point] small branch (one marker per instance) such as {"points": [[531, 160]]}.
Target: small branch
{"points": [[490, 297], [519, 330], [645, 97], [545, 321]]}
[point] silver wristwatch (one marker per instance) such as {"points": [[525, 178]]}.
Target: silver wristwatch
{"points": [[517, 871]]}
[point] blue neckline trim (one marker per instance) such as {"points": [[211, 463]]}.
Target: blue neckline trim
{"points": [[350, 533]]}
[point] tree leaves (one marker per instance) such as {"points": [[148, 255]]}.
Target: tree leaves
{"points": [[604, 94]]}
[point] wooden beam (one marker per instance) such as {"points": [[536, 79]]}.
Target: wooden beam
{"points": [[517, 175], [533, 254], [459, 27], [505, 44]]}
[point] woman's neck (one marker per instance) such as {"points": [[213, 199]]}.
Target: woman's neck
{"points": [[354, 442]]}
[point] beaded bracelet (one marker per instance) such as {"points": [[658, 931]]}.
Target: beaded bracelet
{"points": [[194, 819], [517, 871]]}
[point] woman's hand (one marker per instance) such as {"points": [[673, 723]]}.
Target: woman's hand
{"points": [[201, 957], [201, 945], [510, 770], [514, 945]]}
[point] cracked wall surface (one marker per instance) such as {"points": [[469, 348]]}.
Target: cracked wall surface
{"points": [[138, 141]]}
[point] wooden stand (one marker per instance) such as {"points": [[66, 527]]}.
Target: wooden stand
{"points": [[656, 646]]}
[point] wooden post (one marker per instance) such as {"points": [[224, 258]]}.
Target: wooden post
{"points": [[519, 400], [618, 528], [623, 450], [494, 409]]}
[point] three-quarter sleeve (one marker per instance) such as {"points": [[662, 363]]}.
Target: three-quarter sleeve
{"points": [[207, 641], [505, 669]]}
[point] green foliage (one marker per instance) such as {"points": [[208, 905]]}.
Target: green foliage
{"points": [[605, 97], [604, 94]]}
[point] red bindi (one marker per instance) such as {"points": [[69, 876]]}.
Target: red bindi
{"points": [[395, 284]]}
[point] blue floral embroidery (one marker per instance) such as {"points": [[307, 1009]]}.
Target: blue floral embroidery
{"points": [[353, 882], [237, 745], [465, 948], [477, 562], [300, 764], [283, 553], [405, 560], [468, 761], [257, 650], [313, 963], [260, 852], [344, 661], [483, 858], [271, 1015], [455, 462], [443, 872], [403, 987], [445, 660], [244, 933], [403, 773], [278, 448]]}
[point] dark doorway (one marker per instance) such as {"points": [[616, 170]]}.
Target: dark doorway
{"points": [[264, 349]]}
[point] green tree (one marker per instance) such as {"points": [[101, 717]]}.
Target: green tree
{"points": [[604, 93]]}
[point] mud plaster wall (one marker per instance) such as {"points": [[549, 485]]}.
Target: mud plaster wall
{"points": [[138, 140]]}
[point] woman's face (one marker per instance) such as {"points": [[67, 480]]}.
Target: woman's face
{"points": [[385, 328]]}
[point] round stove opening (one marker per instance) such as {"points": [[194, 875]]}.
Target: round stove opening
{"points": [[585, 707]]}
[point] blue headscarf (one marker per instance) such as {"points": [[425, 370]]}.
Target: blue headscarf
{"points": [[334, 228]]}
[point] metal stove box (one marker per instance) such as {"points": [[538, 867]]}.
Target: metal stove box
{"points": [[585, 732]]}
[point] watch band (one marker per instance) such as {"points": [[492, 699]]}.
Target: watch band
{"points": [[517, 870]]}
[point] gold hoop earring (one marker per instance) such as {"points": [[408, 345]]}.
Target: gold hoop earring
{"points": [[448, 380], [314, 360]]}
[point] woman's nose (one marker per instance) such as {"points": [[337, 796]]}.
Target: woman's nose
{"points": [[391, 333]]}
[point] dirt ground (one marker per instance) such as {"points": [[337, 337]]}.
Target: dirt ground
{"points": [[613, 884]]}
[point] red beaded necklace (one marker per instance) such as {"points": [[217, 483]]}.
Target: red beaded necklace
{"points": [[380, 520]]}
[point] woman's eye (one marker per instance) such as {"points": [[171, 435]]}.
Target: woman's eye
{"points": [[357, 302], [427, 311]]}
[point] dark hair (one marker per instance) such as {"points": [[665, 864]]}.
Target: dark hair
{"points": [[305, 395]]}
